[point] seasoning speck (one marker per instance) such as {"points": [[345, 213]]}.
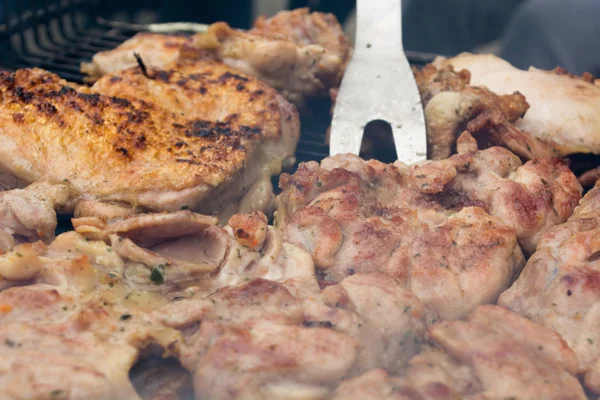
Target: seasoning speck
{"points": [[157, 276]]}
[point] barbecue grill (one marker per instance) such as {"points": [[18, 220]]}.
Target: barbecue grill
{"points": [[61, 35]]}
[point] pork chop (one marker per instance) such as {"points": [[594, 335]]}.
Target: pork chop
{"points": [[449, 230], [559, 285], [155, 49], [564, 109], [495, 354], [299, 53], [135, 155]]}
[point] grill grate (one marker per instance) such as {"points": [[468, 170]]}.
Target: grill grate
{"points": [[59, 36]]}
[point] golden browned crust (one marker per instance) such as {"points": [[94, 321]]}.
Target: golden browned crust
{"points": [[103, 144], [207, 90]]}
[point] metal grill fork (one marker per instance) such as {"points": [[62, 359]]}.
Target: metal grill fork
{"points": [[379, 85]]}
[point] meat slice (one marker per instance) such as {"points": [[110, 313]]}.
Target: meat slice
{"points": [[29, 214], [136, 155], [212, 91], [41, 364], [452, 104], [448, 230], [306, 28], [559, 286], [495, 354], [387, 320], [564, 110], [299, 53], [298, 71], [155, 49]]}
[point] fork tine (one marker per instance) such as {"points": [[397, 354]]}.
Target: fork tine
{"points": [[379, 84]]}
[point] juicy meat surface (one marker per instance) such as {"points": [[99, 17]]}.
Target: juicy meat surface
{"points": [[451, 105], [136, 153], [155, 49], [298, 71], [245, 323], [448, 230], [474, 209], [299, 53], [564, 110], [211, 91], [494, 354], [559, 287], [29, 214], [306, 28]]}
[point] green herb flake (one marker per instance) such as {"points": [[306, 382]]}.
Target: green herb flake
{"points": [[125, 317], [56, 393], [19, 254], [157, 276], [590, 341], [10, 343], [185, 207]]}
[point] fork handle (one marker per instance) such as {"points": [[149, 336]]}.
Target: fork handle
{"points": [[376, 19]]}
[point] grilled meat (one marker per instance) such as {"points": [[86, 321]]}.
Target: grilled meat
{"points": [[253, 325], [564, 110], [29, 214], [423, 224], [136, 154], [452, 105], [301, 54], [156, 50], [297, 71], [559, 286], [495, 354], [211, 91], [306, 28]]}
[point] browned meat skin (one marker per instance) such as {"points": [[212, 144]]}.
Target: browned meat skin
{"points": [[250, 229], [142, 155], [564, 112], [431, 80], [209, 90], [306, 28], [355, 216], [451, 105], [297, 71], [155, 49], [29, 214], [495, 354], [492, 127], [559, 286], [301, 54]]}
